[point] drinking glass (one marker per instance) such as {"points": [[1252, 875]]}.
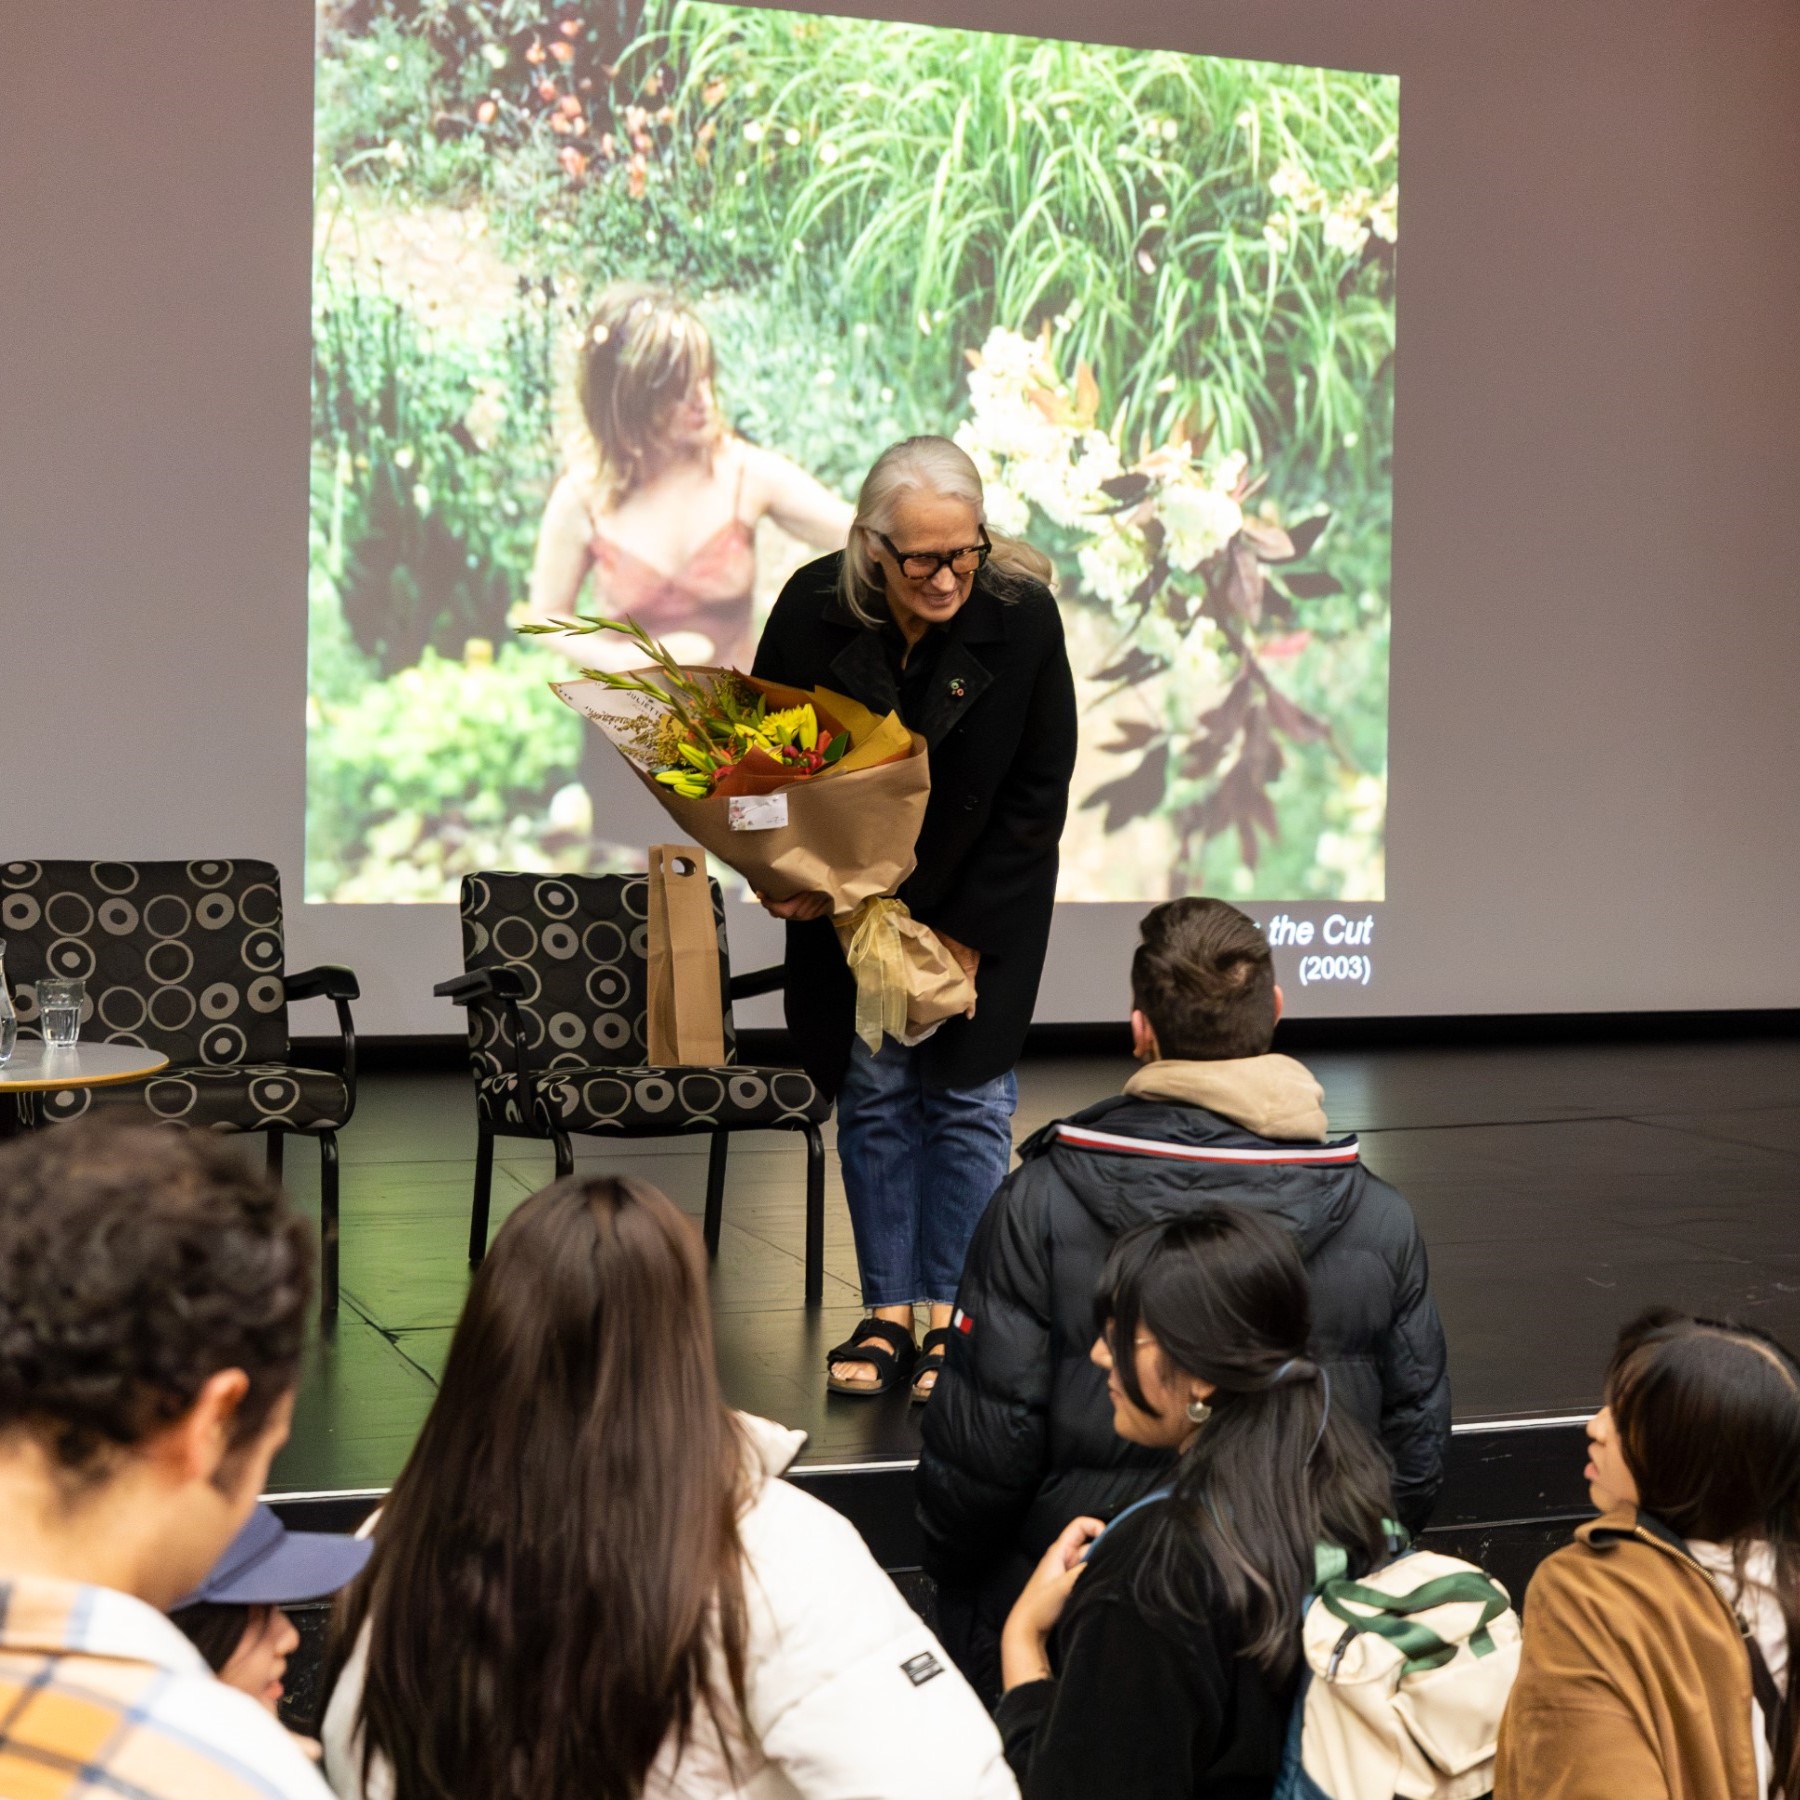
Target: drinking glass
{"points": [[59, 1003]]}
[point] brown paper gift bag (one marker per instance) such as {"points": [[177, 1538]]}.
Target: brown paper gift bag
{"points": [[686, 1010]]}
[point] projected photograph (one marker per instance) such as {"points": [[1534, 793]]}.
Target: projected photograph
{"points": [[562, 251]]}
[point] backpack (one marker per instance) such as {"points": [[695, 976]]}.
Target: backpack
{"points": [[1405, 1674]]}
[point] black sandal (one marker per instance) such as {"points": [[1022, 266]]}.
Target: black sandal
{"points": [[934, 1352], [889, 1347]]}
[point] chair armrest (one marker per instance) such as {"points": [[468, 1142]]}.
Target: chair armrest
{"points": [[329, 981], [333, 982], [507, 985], [499, 983], [759, 981]]}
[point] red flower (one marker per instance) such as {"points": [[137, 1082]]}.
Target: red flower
{"points": [[486, 112], [573, 162]]}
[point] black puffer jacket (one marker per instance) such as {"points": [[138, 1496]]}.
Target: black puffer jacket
{"points": [[1019, 1437]]}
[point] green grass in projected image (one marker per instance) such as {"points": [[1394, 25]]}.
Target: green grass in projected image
{"points": [[1153, 295]]}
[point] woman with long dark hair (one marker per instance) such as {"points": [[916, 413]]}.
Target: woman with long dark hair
{"points": [[590, 1580], [1656, 1647], [1159, 1656]]}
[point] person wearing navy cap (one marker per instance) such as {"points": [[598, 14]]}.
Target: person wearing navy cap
{"points": [[234, 1616]]}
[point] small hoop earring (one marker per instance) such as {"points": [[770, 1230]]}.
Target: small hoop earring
{"points": [[1198, 1412]]}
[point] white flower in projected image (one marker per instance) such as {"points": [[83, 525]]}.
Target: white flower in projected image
{"points": [[1112, 566], [1345, 228], [1198, 522], [1194, 589]]}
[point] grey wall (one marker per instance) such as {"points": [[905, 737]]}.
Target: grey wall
{"points": [[1596, 655]]}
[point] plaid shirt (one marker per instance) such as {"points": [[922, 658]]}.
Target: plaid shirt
{"points": [[101, 1698]]}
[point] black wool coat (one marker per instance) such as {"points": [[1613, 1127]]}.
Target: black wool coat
{"points": [[998, 721]]}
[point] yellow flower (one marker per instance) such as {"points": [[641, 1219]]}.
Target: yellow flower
{"points": [[793, 725]]}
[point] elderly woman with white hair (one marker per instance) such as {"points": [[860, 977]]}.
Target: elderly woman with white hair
{"points": [[928, 613]]}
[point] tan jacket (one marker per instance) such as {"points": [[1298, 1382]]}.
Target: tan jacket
{"points": [[1635, 1683]]}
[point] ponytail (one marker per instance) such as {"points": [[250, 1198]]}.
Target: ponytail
{"points": [[1274, 1471]]}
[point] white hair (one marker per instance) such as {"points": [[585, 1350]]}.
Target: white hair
{"points": [[932, 465]]}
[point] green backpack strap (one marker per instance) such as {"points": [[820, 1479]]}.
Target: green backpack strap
{"points": [[1419, 1645]]}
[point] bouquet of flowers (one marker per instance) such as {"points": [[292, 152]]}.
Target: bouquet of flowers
{"points": [[800, 792]]}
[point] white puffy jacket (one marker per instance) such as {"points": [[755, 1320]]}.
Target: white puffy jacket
{"points": [[850, 1697]]}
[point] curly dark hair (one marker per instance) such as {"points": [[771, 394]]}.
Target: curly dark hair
{"points": [[137, 1261]]}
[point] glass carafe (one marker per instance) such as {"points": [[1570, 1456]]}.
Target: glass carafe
{"points": [[9, 1020]]}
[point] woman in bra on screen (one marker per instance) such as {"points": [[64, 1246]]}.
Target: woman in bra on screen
{"points": [[663, 503]]}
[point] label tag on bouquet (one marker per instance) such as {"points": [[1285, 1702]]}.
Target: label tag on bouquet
{"points": [[757, 812]]}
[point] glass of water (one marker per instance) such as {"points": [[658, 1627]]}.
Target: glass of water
{"points": [[59, 1006]]}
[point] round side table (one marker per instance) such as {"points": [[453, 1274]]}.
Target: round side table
{"points": [[40, 1068]]}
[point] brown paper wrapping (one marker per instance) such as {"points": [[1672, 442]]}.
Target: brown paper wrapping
{"points": [[850, 835]]}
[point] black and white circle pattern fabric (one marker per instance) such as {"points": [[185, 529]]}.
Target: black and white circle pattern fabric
{"points": [[240, 1097], [185, 958], [648, 1100], [578, 944]]}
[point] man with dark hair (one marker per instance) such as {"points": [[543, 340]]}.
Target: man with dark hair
{"points": [[1018, 1437], [153, 1303]]}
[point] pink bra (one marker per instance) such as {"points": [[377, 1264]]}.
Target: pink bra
{"points": [[712, 593]]}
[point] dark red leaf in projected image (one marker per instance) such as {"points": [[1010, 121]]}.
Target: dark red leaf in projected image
{"points": [[1269, 542], [1127, 490], [1132, 796], [1308, 531], [1134, 734], [1294, 721], [1134, 666], [1244, 580], [1313, 585], [1227, 718]]}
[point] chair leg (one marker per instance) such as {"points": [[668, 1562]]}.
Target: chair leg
{"points": [[328, 1224], [565, 1154], [815, 1216], [715, 1188], [484, 1187], [277, 1140]]}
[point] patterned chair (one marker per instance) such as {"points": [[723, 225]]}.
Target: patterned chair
{"points": [[187, 958], [556, 985]]}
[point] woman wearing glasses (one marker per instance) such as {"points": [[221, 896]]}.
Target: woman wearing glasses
{"points": [[927, 613]]}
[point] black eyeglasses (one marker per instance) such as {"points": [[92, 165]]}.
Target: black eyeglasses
{"points": [[922, 565]]}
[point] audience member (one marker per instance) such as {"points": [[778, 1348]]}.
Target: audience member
{"points": [[153, 1301], [1656, 1645], [1160, 1656], [591, 1580], [234, 1618], [1019, 1439]]}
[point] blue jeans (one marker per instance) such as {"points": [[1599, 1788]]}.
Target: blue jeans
{"points": [[920, 1165]]}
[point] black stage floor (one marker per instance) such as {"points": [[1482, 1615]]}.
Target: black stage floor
{"points": [[1560, 1189]]}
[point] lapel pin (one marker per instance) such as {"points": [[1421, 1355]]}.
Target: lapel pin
{"points": [[958, 687]]}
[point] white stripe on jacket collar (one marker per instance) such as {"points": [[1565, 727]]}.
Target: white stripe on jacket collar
{"points": [[1084, 1137]]}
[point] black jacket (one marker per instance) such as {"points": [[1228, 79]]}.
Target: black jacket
{"points": [[1154, 1708], [998, 719], [1019, 1437]]}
